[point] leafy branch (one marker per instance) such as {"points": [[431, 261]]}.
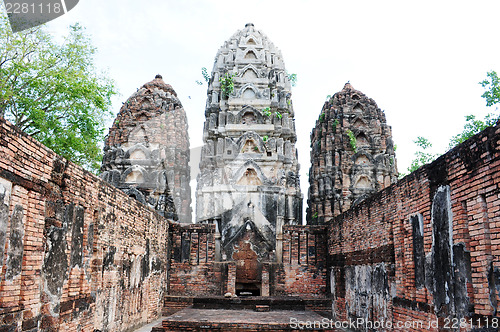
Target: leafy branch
{"points": [[292, 78], [422, 157], [492, 82], [205, 75], [473, 126]]}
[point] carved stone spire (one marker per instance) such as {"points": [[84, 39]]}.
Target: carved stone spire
{"points": [[146, 152], [352, 154], [248, 180]]}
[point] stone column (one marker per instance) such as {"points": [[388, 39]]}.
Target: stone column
{"points": [[231, 278], [217, 238], [279, 239], [265, 280]]}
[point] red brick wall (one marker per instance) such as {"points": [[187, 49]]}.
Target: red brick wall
{"points": [[304, 265], [193, 270], [75, 253], [379, 257]]}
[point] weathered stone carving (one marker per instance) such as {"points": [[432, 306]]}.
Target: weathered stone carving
{"points": [[352, 155], [147, 151]]}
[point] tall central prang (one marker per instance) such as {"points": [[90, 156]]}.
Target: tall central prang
{"points": [[248, 183]]}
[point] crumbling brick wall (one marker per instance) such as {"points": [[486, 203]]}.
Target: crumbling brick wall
{"points": [[76, 254], [193, 270], [303, 271], [426, 249]]}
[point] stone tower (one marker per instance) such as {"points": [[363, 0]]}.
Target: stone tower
{"points": [[248, 183], [146, 152], [352, 154]]}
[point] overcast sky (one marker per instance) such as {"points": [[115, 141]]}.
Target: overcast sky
{"points": [[421, 61]]}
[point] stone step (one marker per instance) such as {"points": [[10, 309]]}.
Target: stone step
{"points": [[226, 320], [262, 308]]}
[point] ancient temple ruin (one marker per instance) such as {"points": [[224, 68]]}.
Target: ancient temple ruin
{"points": [[248, 184], [352, 155], [83, 253], [146, 152]]}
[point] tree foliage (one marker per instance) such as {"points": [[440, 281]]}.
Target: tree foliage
{"points": [[53, 91], [472, 127], [422, 156], [492, 86], [206, 77], [292, 78]]}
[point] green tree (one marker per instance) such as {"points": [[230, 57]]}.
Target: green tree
{"points": [[53, 91], [472, 127]]}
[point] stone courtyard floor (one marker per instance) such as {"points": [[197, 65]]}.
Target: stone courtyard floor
{"points": [[191, 319]]}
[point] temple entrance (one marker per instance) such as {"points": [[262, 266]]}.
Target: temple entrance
{"points": [[248, 266], [247, 289]]}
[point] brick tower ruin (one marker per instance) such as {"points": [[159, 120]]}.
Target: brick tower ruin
{"points": [[146, 152], [352, 155], [248, 184]]}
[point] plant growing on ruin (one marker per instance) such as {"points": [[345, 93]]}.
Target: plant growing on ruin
{"points": [[315, 215], [422, 157], [265, 138], [473, 126], [267, 111], [352, 141], [321, 117], [256, 149], [227, 84], [278, 115], [335, 124]]}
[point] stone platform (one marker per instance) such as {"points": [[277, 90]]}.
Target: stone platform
{"points": [[191, 319], [255, 313], [322, 306]]}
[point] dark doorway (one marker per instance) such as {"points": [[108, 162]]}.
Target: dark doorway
{"points": [[247, 289]]}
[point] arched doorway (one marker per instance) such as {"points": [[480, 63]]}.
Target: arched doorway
{"points": [[248, 264]]}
